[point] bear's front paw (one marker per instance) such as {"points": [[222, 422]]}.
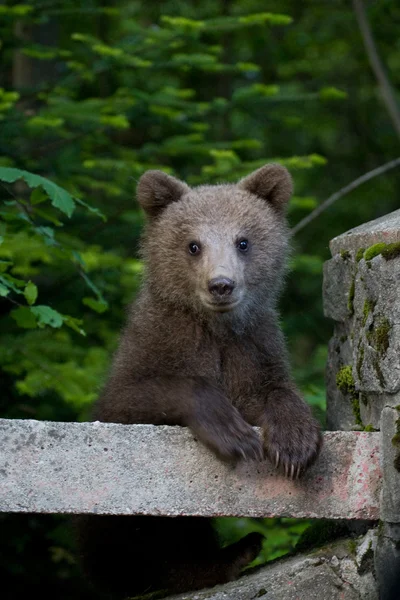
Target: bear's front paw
{"points": [[229, 436], [292, 444]]}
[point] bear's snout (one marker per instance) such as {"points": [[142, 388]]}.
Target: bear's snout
{"points": [[220, 287]]}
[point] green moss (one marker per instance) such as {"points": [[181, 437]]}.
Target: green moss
{"points": [[396, 464], [356, 411], [374, 250], [396, 439], [345, 254], [352, 545], [360, 359], [360, 254], [381, 336], [391, 251], [345, 381], [388, 251], [350, 302], [396, 442], [369, 306], [369, 428], [378, 370]]}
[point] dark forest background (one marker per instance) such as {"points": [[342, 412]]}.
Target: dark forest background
{"points": [[94, 93]]}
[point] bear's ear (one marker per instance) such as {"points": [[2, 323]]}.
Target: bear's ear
{"points": [[156, 190], [272, 183]]}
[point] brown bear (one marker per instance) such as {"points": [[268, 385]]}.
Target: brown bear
{"points": [[202, 348]]}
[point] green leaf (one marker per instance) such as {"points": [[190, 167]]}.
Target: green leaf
{"points": [[20, 10], [38, 196], [78, 258], [12, 282], [74, 324], [59, 197], [117, 121], [24, 317], [4, 264], [104, 50], [247, 67], [45, 214], [332, 93], [91, 209], [45, 122], [98, 306], [4, 291], [93, 287], [182, 23], [31, 293], [261, 18], [47, 316]]}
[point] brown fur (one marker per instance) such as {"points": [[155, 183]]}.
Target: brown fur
{"points": [[216, 364]]}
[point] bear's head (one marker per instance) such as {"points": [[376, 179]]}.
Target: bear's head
{"points": [[216, 249]]}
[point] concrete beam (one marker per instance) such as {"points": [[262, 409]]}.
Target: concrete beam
{"points": [[48, 467]]}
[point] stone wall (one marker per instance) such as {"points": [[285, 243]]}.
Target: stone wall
{"points": [[362, 296]]}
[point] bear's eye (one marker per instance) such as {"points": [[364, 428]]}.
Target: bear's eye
{"points": [[243, 245], [194, 248]]}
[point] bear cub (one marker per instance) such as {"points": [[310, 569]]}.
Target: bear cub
{"points": [[202, 348]]}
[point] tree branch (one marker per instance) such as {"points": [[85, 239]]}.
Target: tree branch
{"points": [[343, 191], [376, 65]]}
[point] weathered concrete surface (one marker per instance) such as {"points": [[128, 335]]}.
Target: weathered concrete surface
{"points": [[332, 573], [385, 229], [141, 469]]}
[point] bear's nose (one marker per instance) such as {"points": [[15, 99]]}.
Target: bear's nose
{"points": [[221, 286]]}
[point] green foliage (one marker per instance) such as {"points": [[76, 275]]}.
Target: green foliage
{"points": [[93, 94], [281, 535]]}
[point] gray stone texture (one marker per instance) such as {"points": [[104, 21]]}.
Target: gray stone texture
{"points": [[339, 414], [363, 298], [332, 573], [387, 561], [337, 282], [385, 229], [106, 468], [377, 310], [390, 461]]}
